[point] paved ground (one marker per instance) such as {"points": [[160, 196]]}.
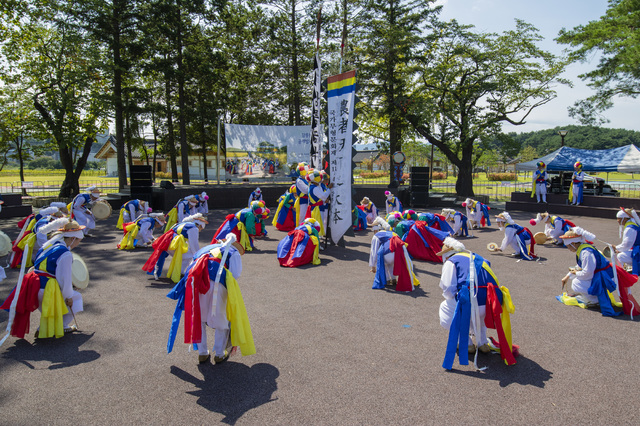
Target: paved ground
{"points": [[330, 350]]}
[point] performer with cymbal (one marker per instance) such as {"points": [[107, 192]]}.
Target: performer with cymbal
{"points": [[80, 208]]}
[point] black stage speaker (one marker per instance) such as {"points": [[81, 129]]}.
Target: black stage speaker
{"points": [[165, 184], [419, 186]]}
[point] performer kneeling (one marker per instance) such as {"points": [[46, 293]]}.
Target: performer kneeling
{"points": [[48, 286], [300, 246], [516, 236], [139, 233], [210, 296], [389, 259], [473, 299]]}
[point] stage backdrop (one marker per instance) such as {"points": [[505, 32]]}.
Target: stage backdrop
{"points": [[292, 141]]}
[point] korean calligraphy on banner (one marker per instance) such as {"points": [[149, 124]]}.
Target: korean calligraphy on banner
{"points": [[341, 91], [316, 135]]}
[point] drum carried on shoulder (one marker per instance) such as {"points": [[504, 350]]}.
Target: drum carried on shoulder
{"points": [[101, 209]]}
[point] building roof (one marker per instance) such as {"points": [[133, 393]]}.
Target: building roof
{"points": [[365, 155]]}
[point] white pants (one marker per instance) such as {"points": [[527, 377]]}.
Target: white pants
{"points": [[76, 307], [213, 310], [541, 191], [625, 257], [448, 308], [84, 219], [582, 288]]}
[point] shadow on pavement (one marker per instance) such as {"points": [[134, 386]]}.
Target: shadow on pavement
{"points": [[232, 388], [525, 372], [60, 353]]}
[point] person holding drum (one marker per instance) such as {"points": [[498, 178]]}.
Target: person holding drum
{"points": [[140, 232], [592, 277], [516, 236], [628, 251], [50, 283], [49, 214], [81, 212], [131, 210], [554, 226], [210, 296], [183, 208]]}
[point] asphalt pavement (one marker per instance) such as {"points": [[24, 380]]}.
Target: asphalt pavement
{"points": [[330, 350]]}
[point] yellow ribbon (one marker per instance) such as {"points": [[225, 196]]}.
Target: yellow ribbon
{"points": [[507, 308], [26, 245], [296, 206], [179, 246], [241, 334], [613, 301], [245, 241], [120, 219], [315, 214], [172, 219], [316, 250], [571, 192], [274, 222], [31, 224], [53, 308], [572, 301], [128, 241], [69, 206]]}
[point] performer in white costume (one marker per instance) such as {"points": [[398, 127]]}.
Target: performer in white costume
{"points": [[81, 209]]}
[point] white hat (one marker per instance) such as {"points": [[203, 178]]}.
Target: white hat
{"points": [[448, 213], [197, 218], [159, 217], [93, 189], [451, 244], [577, 235], [48, 211], [505, 217]]}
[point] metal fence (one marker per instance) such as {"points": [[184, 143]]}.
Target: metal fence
{"points": [[51, 188]]}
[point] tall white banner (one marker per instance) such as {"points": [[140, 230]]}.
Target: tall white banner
{"points": [[340, 105], [316, 135]]}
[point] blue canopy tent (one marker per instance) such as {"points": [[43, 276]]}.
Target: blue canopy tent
{"points": [[625, 159]]}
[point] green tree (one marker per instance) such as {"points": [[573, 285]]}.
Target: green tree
{"points": [[471, 82], [55, 64], [615, 37], [391, 34]]}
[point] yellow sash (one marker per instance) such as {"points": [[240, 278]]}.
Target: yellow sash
{"points": [[315, 213], [241, 335], [128, 241], [172, 219], [26, 245], [507, 308], [316, 250], [53, 308], [120, 219], [245, 241], [179, 246], [296, 206]]}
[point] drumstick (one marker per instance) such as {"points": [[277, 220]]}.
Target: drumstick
{"points": [[74, 318]]}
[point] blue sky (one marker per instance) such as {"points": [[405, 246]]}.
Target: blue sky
{"points": [[549, 17]]}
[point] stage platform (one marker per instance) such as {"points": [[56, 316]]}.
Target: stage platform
{"points": [[593, 206]]}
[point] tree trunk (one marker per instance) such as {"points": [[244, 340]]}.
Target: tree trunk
{"points": [[464, 182], [294, 65], [170, 137], [184, 148], [19, 148], [117, 97]]}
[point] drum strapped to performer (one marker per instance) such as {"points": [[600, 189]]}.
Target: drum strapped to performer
{"points": [[101, 210], [79, 272]]}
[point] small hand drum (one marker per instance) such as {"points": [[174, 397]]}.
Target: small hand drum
{"points": [[540, 237], [5, 244], [101, 210], [493, 247], [79, 272]]}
